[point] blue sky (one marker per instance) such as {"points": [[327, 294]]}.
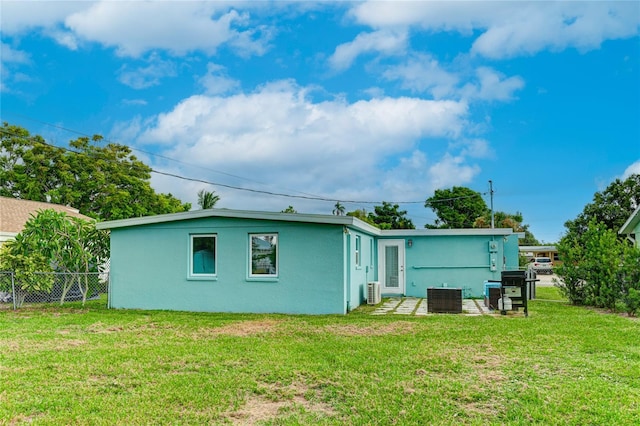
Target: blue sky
{"points": [[351, 101]]}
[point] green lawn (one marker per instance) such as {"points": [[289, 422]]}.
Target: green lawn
{"points": [[562, 365]]}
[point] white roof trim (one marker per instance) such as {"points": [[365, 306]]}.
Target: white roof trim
{"points": [[631, 223], [240, 214], [348, 221], [439, 232]]}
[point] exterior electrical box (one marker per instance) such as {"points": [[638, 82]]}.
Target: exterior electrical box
{"points": [[493, 246]]}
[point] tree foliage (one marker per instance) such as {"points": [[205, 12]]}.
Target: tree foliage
{"points": [[458, 207], [338, 209], [55, 241], [388, 216], [508, 220], [289, 209], [207, 199], [362, 215], [611, 207], [104, 182], [599, 269], [28, 272], [462, 207]]}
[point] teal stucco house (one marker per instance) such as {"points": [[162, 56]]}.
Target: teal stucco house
{"points": [[222, 260]]}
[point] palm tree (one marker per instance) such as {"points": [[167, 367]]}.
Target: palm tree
{"points": [[338, 209], [206, 199]]}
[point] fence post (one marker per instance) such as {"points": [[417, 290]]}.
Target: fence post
{"points": [[13, 291]]}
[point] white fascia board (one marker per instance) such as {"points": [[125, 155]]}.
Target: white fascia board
{"points": [[236, 214], [444, 232], [631, 223], [7, 236]]}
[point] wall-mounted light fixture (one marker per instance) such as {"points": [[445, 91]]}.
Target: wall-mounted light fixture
{"points": [[410, 242]]}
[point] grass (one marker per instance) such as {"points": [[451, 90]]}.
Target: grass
{"points": [[549, 293], [74, 365]]}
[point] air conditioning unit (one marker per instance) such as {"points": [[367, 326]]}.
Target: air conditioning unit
{"points": [[373, 293]]}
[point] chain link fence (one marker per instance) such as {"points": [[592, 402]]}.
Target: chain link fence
{"points": [[51, 287]]}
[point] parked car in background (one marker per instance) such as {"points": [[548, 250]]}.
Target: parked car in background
{"points": [[542, 265]]}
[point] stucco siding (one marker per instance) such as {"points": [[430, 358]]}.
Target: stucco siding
{"points": [[456, 261], [149, 268], [360, 274]]}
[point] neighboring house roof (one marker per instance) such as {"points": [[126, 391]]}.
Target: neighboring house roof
{"points": [[630, 225], [537, 248], [347, 221], [14, 213]]}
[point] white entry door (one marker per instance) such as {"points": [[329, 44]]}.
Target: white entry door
{"points": [[391, 266]]}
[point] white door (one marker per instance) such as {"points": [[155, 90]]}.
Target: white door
{"points": [[391, 266]]}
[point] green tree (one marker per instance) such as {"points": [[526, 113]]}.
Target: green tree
{"points": [[103, 182], [508, 220], [458, 207], [362, 215], [289, 209], [28, 272], [207, 199], [599, 269], [68, 244], [387, 216], [338, 209], [611, 207]]}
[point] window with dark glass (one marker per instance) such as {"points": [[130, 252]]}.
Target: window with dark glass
{"points": [[203, 255]]}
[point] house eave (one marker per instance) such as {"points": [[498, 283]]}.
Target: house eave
{"points": [[446, 232], [240, 214], [631, 223]]}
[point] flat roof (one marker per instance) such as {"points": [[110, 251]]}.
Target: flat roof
{"points": [[348, 221], [538, 248]]}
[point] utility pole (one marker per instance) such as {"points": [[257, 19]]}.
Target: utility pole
{"points": [[491, 194]]}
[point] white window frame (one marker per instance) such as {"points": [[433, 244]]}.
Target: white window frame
{"points": [[358, 251], [203, 276], [277, 265]]}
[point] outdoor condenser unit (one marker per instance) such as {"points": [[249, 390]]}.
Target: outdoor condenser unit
{"points": [[373, 293]]}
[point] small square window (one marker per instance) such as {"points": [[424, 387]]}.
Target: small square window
{"points": [[202, 257], [263, 255]]}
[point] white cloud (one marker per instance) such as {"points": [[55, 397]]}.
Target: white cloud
{"points": [[179, 27], [633, 169], [10, 58], [511, 28], [422, 73], [492, 86], [452, 170], [147, 76], [9, 54], [384, 42], [277, 135], [21, 16], [65, 38], [216, 82]]}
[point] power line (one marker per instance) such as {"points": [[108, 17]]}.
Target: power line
{"points": [[238, 188]]}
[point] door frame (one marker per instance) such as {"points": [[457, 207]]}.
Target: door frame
{"points": [[382, 244]]}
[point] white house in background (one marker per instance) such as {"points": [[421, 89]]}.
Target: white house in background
{"points": [[631, 227], [15, 213]]}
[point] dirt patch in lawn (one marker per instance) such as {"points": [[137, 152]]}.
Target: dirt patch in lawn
{"points": [[397, 327], [273, 401], [241, 328]]}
